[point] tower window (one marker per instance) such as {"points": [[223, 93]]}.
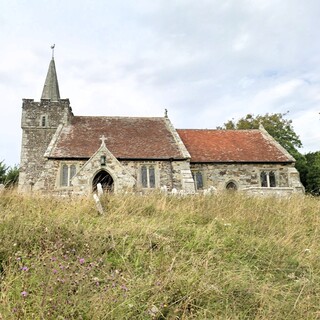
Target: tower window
{"points": [[43, 121]]}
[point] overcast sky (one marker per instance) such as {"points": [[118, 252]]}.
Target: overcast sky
{"points": [[206, 61]]}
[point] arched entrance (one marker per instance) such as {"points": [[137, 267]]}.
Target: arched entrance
{"points": [[105, 179]]}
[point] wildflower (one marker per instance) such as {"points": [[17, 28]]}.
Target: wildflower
{"points": [[24, 293], [123, 287], [81, 260], [24, 268], [54, 271], [153, 311]]}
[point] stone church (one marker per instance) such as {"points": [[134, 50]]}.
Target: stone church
{"points": [[65, 154]]}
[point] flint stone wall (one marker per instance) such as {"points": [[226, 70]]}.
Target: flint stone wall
{"points": [[247, 175], [36, 138]]}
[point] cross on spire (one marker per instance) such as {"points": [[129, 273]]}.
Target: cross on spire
{"points": [[103, 140]]}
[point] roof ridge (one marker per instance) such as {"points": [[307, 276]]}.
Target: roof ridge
{"points": [[222, 130], [119, 117]]}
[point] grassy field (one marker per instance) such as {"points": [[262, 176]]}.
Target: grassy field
{"points": [[154, 257]]}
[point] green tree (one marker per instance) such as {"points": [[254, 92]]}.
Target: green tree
{"points": [[3, 170], [12, 176], [313, 173]]}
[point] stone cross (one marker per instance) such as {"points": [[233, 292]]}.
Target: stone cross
{"points": [[103, 140]]}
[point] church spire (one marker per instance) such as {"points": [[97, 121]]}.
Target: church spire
{"points": [[51, 86]]}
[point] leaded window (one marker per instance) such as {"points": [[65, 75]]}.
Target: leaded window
{"points": [[67, 173], [198, 180], [148, 177], [268, 179], [272, 178]]}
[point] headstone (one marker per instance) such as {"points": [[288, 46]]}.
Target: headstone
{"points": [[98, 203], [1, 187], [164, 189], [209, 191], [99, 189]]}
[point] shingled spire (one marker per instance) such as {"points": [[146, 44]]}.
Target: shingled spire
{"points": [[51, 86]]}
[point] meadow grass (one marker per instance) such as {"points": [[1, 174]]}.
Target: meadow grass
{"points": [[226, 256]]}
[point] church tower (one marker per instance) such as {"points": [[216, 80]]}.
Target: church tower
{"points": [[39, 122]]}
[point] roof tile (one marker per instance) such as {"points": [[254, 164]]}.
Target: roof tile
{"points": [[231, 146], [127, 138]]}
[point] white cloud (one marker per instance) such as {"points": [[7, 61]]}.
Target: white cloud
{"points": [[207, 61]]}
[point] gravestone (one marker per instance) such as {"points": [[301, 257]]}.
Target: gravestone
{"points": [[99, 190], [98, 203]]}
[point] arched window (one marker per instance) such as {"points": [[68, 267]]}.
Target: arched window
{"points": [[263, 178], [72, 171], [268, 179], [231, 186], [67, 173], [148, 176], [144, 177], [272, 178], [198, 180]]}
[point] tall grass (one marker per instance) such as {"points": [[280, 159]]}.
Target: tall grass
{"points": [[226, 256]]}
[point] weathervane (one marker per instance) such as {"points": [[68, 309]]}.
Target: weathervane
{"points": [[52, 48]]}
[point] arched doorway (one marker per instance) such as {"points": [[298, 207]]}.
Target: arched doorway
{"points": [[105, 179]]}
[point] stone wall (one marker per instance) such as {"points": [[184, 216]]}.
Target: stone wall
{"points": [[126, 175], [245, 175], [36, 136], [172, 174]]}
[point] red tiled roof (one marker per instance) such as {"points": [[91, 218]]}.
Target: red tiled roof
{"points": [[127, 138], [231, 146]]}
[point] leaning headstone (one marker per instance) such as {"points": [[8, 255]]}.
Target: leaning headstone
{"points": [[99, 189], [98, 203], [1, 187]]}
